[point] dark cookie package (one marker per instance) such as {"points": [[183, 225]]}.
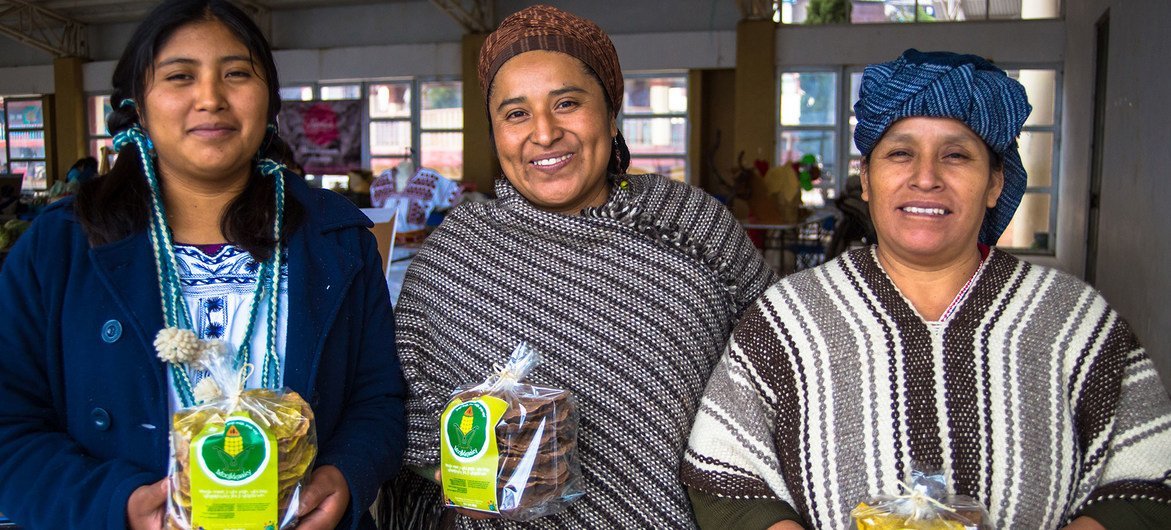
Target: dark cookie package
{"points": [[510, 448]]}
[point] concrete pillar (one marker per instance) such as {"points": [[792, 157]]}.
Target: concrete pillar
{"points": [[756, 86], [481, 168], [69, 125]]}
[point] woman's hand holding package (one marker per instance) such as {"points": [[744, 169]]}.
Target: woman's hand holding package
{"points": [[325, 500], [146, 506], [1084, 523]]}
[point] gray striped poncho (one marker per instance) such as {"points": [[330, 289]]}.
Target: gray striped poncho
{"points": [[630, 304], [1033, 397]]}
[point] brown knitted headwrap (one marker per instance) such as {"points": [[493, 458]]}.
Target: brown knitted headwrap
{"points": [[543, 27]]}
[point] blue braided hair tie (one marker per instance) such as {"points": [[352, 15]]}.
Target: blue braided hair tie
{"points": [[175, 313]]}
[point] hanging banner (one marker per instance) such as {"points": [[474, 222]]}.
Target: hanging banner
{"points": [[326, 136]]}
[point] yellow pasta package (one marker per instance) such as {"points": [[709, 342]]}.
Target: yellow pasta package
{"points": [[922, 505]]}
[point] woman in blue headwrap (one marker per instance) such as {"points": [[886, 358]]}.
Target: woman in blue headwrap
{"points": [[932, 351]]}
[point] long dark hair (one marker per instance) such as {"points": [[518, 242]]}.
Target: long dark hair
{"points": [[117, 205]]}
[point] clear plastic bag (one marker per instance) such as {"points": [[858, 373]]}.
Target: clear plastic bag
{"points": [[510, 448], [241, 458], [923, 505]]}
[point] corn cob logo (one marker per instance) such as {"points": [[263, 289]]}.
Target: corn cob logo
{"points": [[236, 455], [233, 443], [466, 430]]}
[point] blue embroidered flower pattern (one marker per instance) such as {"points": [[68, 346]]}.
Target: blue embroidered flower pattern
{"points": [[215, 304], [214, 330]]}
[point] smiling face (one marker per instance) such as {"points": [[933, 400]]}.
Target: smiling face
{"points": [[929, 182], [552, 130], [206, 106]]}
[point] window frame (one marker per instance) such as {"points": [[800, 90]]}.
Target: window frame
{"points": [[831, 191], [622, 115], [415, 118], [43, 129]]}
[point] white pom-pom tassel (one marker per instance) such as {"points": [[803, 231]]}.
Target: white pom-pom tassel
{"points": [[179, 346], [214, 348], [207, 391]]}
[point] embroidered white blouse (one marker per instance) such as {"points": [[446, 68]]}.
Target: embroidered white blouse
{"points": [[218, 290]]}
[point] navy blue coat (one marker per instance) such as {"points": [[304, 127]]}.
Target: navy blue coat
{"points": [[83, 399]]}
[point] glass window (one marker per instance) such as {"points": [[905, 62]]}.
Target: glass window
{"points": [[341, 92], [400, 126], [1032, 227], [808, 98], [440, 125], [98, 108], [808, 122], [899, 11], [654, 123], [24, 141], [390, 100], [442, 105], [296, 93]]}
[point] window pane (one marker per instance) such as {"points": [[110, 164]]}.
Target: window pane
{"points": [[1041, 87], [1037, 155], [297, 93], [808, 98], [674, 167], [656, 95], [391, 138], [335, 182], [25, 114], [390, 100], [1030, 226], [95, 146], [99, 108], [443, 152], [442, 105], [796, 144], [341, 92], [34, 174], [26, 144], [655, 135], [380, 164]]}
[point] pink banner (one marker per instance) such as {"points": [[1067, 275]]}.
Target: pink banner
{"points": [[326, 136]]}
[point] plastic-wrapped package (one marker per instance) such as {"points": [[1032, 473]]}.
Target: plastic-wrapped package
{"points": [[241, 458], [923, 505], [510, 448]]}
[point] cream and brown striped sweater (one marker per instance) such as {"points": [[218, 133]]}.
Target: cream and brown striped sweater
{"points": [[1034, 397]]}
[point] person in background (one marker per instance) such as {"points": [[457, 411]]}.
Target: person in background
{"points": [[932, 350], [192, 219], [628, 285]]}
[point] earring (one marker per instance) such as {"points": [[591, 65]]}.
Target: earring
{"points": [[617, 156]]}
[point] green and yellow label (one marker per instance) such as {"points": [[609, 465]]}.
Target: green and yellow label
{"points": [[468, 455], [234, 476]]}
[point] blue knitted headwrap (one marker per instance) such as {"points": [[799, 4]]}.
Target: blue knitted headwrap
{"points": [[949, 85]]}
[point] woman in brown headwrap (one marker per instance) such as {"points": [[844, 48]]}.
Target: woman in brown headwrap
{"points": [[629, 285]]}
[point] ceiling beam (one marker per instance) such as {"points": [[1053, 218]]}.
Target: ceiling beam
{"points": [[42, 28], [475, 16]]}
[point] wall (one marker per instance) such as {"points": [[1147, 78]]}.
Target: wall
{"points": [[1134, 243]]}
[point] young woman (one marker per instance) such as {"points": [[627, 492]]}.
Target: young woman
{"points": [[627, 284], [196, 227]]}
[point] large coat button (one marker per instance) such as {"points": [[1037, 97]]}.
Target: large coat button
{"points": [[111, 331], [101, 419]]}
